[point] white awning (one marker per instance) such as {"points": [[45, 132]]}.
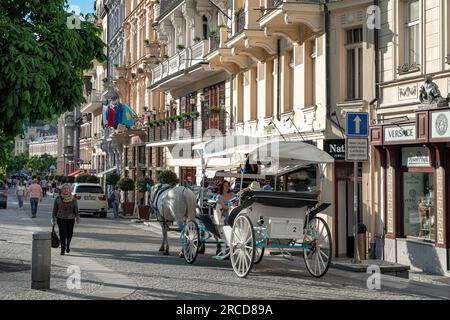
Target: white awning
{"points": [[101, 174], [172, 142]]}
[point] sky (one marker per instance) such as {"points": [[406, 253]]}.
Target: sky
{"points": [[86, 6]]}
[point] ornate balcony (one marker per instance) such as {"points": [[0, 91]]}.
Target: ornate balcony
{"points": [[187, 65], [294, 20], [166, 6]]}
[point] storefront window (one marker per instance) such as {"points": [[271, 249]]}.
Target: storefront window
{"points": [[418, 205]]}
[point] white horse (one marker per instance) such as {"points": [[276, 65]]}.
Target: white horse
{"points": [[172, 204]]}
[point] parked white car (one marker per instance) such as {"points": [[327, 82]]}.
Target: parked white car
{"points": [[91, 198]]}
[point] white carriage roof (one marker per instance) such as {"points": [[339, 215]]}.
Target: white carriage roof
{"points": [[259, 149]]}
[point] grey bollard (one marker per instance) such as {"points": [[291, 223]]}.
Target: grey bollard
{"points": [[41, 261]]}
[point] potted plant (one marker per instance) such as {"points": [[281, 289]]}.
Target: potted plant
{"points": [[180, 47], [214, 109], [166, 56], [92, 179], [194, 114], [112, 179], [196, 39], [168, 177], [212, 33], [127, 184], [81, 179], [143, 185], [157, 62], [147, 42], [238, 12]]}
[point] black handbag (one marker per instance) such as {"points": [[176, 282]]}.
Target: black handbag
{"points": [[55, 239]]}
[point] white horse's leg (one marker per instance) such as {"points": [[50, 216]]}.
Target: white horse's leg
{"points": [[162, 244], [166, 239]]}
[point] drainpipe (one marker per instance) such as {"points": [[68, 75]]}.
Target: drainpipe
{"points": [[327, 63], [279, 79], [376, 220]]}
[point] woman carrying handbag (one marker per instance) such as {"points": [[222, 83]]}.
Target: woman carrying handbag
{"points": [[65, 214]]}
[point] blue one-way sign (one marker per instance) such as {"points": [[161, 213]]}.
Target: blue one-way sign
{"points": [[357, 124]]}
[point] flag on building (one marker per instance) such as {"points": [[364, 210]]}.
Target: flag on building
{"points": [[111, 116], [118, 114], [127, 116]]}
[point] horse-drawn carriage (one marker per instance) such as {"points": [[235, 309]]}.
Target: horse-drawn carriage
{"points": [[261, 220]]}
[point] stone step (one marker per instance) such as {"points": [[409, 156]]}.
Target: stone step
{"points": [[388, 268]]}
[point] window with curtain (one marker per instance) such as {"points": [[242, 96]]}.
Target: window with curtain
{"points": [[354, 63]]}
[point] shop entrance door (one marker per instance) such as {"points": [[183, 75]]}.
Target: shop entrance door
{"points": [[345, 210]]}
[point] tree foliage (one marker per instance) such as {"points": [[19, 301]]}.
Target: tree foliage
{"points": [[168, 177], [143, 183], [41, 163], [112, 179], [126, 184], [42, 62]]}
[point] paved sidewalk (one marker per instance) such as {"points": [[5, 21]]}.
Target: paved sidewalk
{"points": [[16, 228]]}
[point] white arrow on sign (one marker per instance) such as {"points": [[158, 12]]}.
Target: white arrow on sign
{"points": [[357, 121]]}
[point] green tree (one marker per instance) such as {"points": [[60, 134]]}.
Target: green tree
{"points": [[16, 163], [168, 177], [42, 63], [112, 179]]}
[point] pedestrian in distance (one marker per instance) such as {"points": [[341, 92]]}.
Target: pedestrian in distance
{"points": [[65, 214], [115, 201], [20, 194], [44, 185], [35, 193]]}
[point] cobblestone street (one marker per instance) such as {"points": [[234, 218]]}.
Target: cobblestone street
{"points": [[120, 260]]}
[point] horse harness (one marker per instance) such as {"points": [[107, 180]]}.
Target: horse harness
{"points": [[158, 193]]}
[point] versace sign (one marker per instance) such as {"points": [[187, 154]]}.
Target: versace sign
{"points": [[400, 133], [440, 124]]}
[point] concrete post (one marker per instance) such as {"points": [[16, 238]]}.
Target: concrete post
{"points": [[41, 261]]}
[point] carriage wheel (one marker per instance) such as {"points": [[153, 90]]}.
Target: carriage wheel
{"points": [[317, 247], [259, 252], [190, 239], [242, 248]]}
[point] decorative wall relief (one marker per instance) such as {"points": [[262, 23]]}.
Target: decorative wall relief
{"points": [[407, 92]]}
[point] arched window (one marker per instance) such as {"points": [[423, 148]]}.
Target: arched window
{"points": [[205, 27]]}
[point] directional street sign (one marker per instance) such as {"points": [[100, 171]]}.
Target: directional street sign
{"points": [[357, 149], [357, 124]]}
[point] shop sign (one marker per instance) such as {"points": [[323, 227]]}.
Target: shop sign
{"points": [[415, 157], [440, 124], [335, 148], [400, 133]]}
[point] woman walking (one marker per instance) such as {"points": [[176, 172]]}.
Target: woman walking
{"points": [[65, 213], [20, 194]]}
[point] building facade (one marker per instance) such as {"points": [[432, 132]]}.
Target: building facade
{"points": [[410, 133], [44, 145], [188, 96]]}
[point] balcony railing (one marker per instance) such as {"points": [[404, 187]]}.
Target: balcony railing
{"points": [[180, 61], [95, 96], [214, 42], [274, 3], [166, 6], [240, 22]]}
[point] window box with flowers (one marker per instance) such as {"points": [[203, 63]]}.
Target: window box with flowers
{"points": [[214, 110]]}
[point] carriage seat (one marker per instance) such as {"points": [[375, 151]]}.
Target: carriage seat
{"points": [[283, 199]]}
